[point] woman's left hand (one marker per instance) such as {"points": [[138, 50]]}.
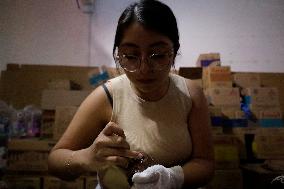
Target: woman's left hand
{"points": [[159, 177]]}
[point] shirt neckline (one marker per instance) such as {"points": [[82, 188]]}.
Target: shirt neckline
{"points": [[143, 101]]}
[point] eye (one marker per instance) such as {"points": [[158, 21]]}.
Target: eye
{"points": [[158, 56], [129, 57]]}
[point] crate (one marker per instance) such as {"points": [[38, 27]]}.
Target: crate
{"points": [[28, 154], [22, 182], [55, 183]]}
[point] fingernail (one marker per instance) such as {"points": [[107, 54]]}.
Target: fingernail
{"points": [[140, 155]]}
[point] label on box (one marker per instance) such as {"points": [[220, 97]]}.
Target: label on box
{"points": [[224, 96]]}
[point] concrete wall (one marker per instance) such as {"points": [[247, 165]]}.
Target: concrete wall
{"points": [[249, 34]]}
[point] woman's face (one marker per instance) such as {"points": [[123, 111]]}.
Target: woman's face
{"points": [[143, 43]]}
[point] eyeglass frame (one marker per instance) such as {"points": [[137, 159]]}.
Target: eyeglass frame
{"points": [[169, 53]]}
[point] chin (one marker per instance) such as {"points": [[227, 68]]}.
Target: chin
{"points": [[146, 88]]}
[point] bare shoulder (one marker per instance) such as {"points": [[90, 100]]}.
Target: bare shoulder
{"points": [[195, 91], [98, 103]]}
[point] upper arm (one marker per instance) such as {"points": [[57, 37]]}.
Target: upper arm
{"points": [[199, 124], [91, 117]]}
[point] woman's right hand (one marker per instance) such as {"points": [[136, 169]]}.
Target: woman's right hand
{"points": [[109, 148]]}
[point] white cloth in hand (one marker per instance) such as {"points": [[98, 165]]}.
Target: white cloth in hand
{"points": [[159, 177]]}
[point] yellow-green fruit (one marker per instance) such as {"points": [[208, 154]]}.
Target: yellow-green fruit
{"points": [[115, 178]]}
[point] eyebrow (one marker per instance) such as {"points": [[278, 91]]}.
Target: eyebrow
{"points": [[158, 43]]}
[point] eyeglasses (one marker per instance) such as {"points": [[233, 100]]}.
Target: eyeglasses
{"points": [[132, 63]]}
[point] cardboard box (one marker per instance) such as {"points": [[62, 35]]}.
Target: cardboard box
{"points": [[62, 84], [47, 126], [24, 86], [261, 97], [244, 137], [52, 98], [244, 130], [215, 111], [245, 80], [217, 77], [190, 72], [28, 155], [267, 113], [208, 59], [269, 117], [233, 117], [226, 152], [55, 183], [63, 117], [226, 179], [271, 131], [232, 113], [217, 130], [23, 182], [267, 146], [223, 97], [274, 80]]}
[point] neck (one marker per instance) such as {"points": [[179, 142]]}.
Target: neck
{"points": [[153, 95]]}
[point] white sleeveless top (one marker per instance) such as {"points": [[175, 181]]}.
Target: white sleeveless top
{"points": [[158, 128]]}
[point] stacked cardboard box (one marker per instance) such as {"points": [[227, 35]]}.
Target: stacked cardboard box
{"points": [[22, 85], [28, 155], [208, 59], [59, 104], [21, 182], [63, 116], [226, 150], [227, 171], [223, 98], [244, 80], [46, 182], [264, 103], [225, 111], [227, 179], [55, 183], [217, 77], [261, 140]]}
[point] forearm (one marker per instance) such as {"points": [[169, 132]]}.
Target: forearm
{"points": [[198, 172], [66, 164]]}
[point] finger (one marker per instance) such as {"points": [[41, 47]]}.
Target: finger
{"points": [[145, 177], [111, 141], [119, 152], [113, 129], [118, 141]]}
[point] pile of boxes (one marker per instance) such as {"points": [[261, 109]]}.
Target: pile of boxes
{"points": [[225, 111], [246, 120], [27, 157]]}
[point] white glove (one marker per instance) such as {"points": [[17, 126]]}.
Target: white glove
{"points": [[159, 177]]}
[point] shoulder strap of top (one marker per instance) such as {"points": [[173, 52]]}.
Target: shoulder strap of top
{"points": [[108, 94]]}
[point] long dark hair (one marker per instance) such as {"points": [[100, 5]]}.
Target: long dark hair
{"points": [[152, 14]]}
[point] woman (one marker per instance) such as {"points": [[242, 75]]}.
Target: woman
{"points": [[145, 113]]}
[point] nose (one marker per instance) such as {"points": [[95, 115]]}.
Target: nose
{"points": [[145, 66]]}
